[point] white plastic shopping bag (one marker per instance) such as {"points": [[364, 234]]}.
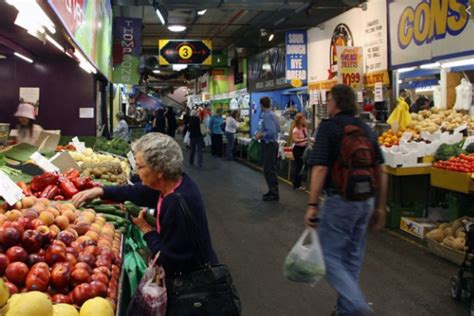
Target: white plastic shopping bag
{"points": [[187, 138], [207, 140], [305, 263]]}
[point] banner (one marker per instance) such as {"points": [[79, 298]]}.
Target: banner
{"points": [[428, 31], [266, 71], [89, 23], [193, 52], [356, 27], [296, 56], [127, 49], [350, 66]]}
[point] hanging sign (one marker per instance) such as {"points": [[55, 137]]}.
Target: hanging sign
{"points": [[430, 30], [126, 50], [192, 52], [266, 71], [350, 66], [296, 56], [378, 92], [9, 190]]}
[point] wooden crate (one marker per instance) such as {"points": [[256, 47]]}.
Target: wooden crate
{"points": [[450, 180], [446, 252]]}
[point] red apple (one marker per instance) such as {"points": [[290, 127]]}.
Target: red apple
{"points": [[66, 237], [83, 265], [82, 293], [99, 276], [55, 254], [10, 237], [59, 243], [72, 251], [61, 275], [16, 253], [92, 249], [34, 258], [31, 240], [38, 278], [35, 223], [12, 288], [98, 289], [19, 226], [80, 276], [87, 258], [103, 270], [4, 262], [71, 259], [16, 273], [103, 261], [45, 234], [61, 298]]}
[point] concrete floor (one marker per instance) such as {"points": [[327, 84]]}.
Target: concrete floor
{"points": [[253, 238]]}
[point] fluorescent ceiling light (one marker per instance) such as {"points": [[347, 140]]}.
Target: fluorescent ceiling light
{"points": [[156, 71], [176, 28], [402, 70], [161, 13], [56, 44], [31, 17], [202, 12], [85, 68], [458, 63], [430, 66], [270, 38], [23, 57], [179, 67]]}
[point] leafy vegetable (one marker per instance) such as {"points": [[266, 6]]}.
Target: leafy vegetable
{"points": [[470, 148], [446, 151], [115, 146]]}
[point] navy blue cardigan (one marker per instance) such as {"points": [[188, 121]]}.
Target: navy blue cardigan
{"points": [[178, 248]]}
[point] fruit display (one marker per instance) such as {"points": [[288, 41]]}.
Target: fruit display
{"points": [[391, 138], [462, 163], [115, 214], [435, 119], [52, 253], [102, 166], [452, 235], [59, 187]]}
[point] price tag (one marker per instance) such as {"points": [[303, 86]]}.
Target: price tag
{"points": [[469, 140], [460, 128], [360, 96], [80, 146], [9, 190], [378, 92], [43, 163], [131, 159], [406, 136]]}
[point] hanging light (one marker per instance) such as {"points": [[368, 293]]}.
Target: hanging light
{"points": [[202, 12], [177, 28], [32, 18], [162, 13], [270, 38], [23, 57]]}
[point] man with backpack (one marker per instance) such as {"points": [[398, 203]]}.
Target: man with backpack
{"points": [[347, 165]]}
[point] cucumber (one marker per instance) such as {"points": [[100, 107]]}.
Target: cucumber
{"points": [[114, 218], [150, 218], [132, 209], [109, 209]]}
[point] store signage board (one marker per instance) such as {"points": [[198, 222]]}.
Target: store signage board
{"points": [[89, 23], [131, 159], [427, 31], [267, 71], [355, 27], [127, 45], [350, 66], [11, 192], [43, 163], [296, 56], [189, 52], [85, 113], [378, 92]]}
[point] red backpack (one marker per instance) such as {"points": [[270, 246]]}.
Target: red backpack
{"points": [[353, 174]]}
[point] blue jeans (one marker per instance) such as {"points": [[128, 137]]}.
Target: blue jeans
{"points": [[230, 144], [197, 145], [343, 230]]}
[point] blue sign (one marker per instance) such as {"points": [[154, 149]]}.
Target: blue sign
{"points": [[296, 56]]}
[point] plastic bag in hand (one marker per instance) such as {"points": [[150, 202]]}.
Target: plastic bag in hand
{"points": [[305, 263]]}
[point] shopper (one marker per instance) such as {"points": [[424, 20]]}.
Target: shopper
{"points": [[159, 124], [26, 131], [171, 123], [344, 220], [186, 116], [268, 133], [196, 137], [215, 126], [299, 138], [231, 126], [160, 167], [422, 103], [121, 131]]}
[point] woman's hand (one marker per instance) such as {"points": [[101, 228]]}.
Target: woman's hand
{"points": [[142, 223], [87, 196]]}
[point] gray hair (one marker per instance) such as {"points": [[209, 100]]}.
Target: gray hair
{"points": [[161, 153]]}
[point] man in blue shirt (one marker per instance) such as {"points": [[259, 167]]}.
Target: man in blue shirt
{"points": [[268, 133], [215, 126]]}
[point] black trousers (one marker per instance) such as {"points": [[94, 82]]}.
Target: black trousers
{"points": [[269, 157], [216, 144], [298, 155]]}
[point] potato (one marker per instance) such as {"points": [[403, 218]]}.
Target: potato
{"points": [[449, 232], [444, 225]]}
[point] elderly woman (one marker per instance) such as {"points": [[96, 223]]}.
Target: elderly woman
{"points": [[159, 162]]}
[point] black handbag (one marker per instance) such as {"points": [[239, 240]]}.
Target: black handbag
{"points": [[208, 290]]}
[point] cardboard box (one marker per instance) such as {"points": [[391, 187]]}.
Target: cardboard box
{"points": [[417, 227], [450, 180]]}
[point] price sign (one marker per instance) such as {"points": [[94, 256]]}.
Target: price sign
{"points": [[131, 159], [80, 146], [460, 128], [350, 66], [406, 136], [9, 190], [468, 141], [378, 92], [43, 163]]}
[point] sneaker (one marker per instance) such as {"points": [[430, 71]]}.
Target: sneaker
{"points": [[271, 197]]}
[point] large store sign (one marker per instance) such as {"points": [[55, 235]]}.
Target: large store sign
{"points": [[430, 30], [350, 66], [296, 56], [127, 48], [354, 28], [89, 23], [266, 71], [192, 52]]}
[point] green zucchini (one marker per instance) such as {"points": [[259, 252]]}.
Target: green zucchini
{"points": [[132, 209], [150, 218], [109, 209], [113, 218]]}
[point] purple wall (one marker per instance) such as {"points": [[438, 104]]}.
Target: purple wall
{"points": [[64, 88]]}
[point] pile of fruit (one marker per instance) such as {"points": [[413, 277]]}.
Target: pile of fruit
{"points": [[435, 119], [58, 187], [70, 255], [452, 234], [391, 138], [462, 163]]}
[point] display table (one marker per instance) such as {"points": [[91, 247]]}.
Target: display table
{"points": [[408, 171], [453, 181]]}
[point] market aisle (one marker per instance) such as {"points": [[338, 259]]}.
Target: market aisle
{"points": [[253, 238]]}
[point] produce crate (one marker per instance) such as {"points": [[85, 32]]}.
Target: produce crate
{"points": [[450, 180], [446, 252], [459, 205], [417, 227], [397, 211]]}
